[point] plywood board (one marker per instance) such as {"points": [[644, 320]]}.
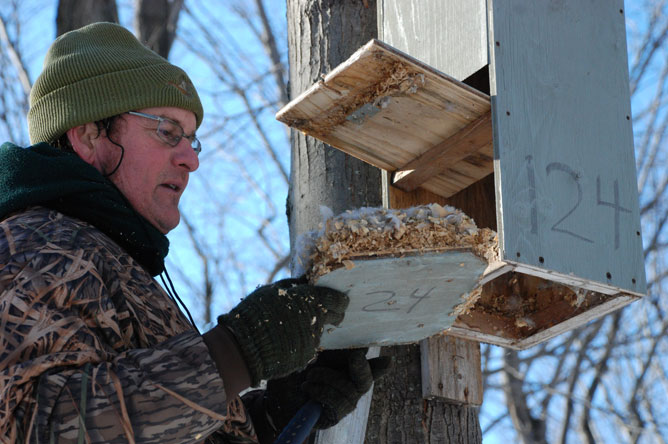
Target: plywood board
{"points": [[566, 181], [387, 108], [401, 300]]}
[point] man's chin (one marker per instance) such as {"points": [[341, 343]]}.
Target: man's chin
{"points": [[165, 225]]}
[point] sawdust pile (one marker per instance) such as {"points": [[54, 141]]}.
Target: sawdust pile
{"points": [[378, 232]]}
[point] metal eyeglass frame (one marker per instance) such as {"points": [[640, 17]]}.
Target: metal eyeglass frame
{"points": [[194, 141]]}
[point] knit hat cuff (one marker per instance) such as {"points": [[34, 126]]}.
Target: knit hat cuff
{"points": [[113, 93], [99, 71]]}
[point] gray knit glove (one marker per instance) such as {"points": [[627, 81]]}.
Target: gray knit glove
{"points": [[278, 326]]}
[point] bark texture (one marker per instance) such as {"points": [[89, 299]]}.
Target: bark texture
{"points": [[399, 414], [321, 35], [155, 22]]}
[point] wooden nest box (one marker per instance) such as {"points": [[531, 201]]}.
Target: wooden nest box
{"points": [[531, 108]]}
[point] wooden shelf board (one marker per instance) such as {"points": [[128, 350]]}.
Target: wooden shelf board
{"points": [[388, 109]]}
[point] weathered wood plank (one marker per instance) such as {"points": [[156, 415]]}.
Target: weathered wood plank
{"points": [[387, 108], [475, 137], [449, 35], [352, 428], [451, 370]]}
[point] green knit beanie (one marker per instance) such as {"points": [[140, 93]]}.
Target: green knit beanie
{"points": [[99, 71]]}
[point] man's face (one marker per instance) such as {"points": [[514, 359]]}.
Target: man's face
{"points": [[152, 174]]}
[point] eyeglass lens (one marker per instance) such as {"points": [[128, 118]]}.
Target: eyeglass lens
{"points": [[171, 134]]}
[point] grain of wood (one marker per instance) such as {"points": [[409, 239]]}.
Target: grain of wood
{"points": [[451, 370], [387, 108]]}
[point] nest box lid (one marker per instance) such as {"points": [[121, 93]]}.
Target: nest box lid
{"points": [[394, 112]]}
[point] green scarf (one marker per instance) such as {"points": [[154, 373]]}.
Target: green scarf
{"points": [[46, 176]]}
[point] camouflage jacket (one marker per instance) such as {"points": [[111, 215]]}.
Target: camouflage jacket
{"points": [[93, 350]]}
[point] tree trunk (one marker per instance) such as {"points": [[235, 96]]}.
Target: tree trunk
{"points": [[155, 22], [399, 414], [321, 35], [73, 14]]}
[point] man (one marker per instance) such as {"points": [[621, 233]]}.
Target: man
{"points": [[92, 349]]}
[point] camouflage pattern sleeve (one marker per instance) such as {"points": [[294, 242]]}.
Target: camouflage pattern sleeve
{"points": [[170, 393], [92, 349]]}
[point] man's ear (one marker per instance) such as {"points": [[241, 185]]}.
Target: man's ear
{"points": [[84, 140]]}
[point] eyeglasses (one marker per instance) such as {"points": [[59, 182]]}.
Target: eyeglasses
{"points": [[170, 132]]}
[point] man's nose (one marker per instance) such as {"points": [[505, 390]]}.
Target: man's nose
{"points": [[185, 155]]}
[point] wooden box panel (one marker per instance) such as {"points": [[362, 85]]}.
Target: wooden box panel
{"points": [[395, 112], [401, 300], [450, 36], [518, 310], [567, 205]]}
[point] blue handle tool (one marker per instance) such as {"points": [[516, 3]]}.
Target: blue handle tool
{"points": [[301, 424]]}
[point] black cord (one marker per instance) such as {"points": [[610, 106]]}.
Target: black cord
{"points": [[119, 160], [171, 291]]}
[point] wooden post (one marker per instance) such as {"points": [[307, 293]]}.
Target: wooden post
{"points": [[450, 366], [566, 175], [451, 370], [320, 36]]}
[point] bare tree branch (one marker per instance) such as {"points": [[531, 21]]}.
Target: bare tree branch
{"points": [[15, 57], [272, 51], [529, 429], [601, 368], [205, 257]]}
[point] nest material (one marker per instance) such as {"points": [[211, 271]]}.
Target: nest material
{"points": [[378, 232]]}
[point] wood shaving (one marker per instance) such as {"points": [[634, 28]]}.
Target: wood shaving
{"points": [[378, 232], [525, 323], [348, 264], [470, 300]]}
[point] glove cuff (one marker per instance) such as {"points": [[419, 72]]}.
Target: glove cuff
{"points": [[243, 328]]}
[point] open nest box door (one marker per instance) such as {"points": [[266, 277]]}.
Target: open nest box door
{"points": [[555, 131]]}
